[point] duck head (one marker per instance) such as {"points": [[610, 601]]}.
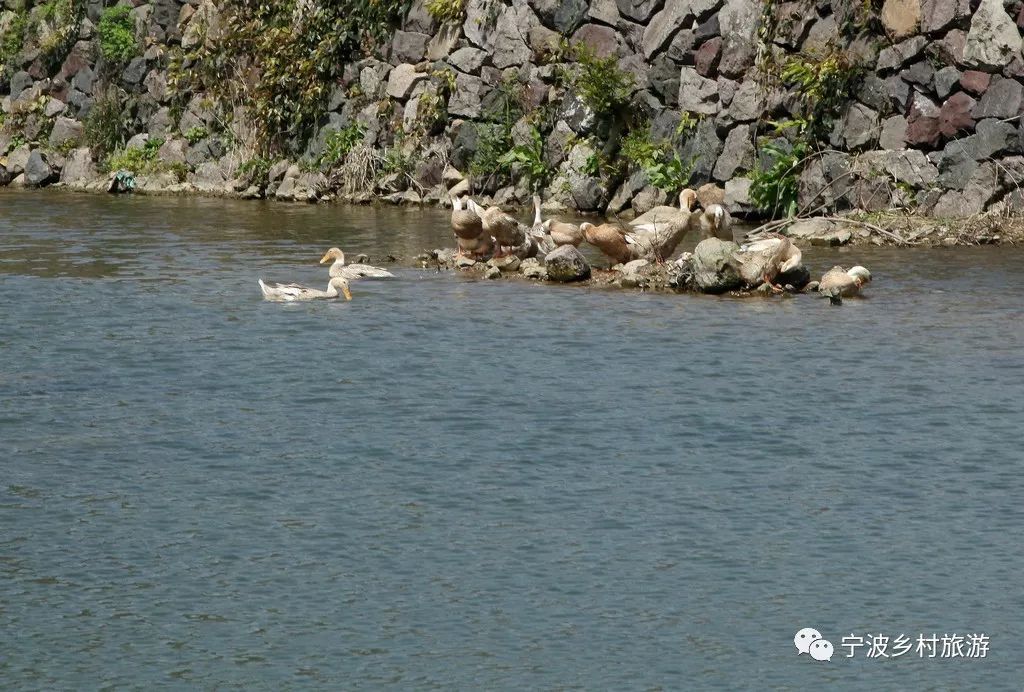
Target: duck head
{"points": [[340, 284], [333, 254], [860, 274]]}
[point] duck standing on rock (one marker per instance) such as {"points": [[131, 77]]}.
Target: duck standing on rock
{"points": [[658, 240], [539, 231], [352, 271], [469, 230], [763, 260], [661, 214], [716, 222], [509, 234], [844, 283], [610, 240]]}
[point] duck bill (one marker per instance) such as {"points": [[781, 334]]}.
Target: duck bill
{"points": [[347, 293], [325, 259]]}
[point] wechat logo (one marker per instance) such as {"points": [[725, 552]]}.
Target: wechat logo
{"points": [[809, 641]]}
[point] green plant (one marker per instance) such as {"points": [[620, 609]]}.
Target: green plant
{"points": [[13, 38], [599, 82], [530, 158], [493, 141], [109, 123], [117, 34], [662, 164], [138, 160], [58, 28], [282, 59], [196, 134], [447, 11], [340, 143], [774, 188]]}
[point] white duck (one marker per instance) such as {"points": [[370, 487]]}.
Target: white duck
{"points": [[716, 222], [843, 282], [293, 292], [352, 271]]}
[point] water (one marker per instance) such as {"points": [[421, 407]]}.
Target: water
{"points": [[449, 483]]}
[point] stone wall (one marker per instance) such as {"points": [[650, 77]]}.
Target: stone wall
{"points": [[932, 124]]}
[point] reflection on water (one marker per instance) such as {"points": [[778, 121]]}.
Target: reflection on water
{"points": [[468, 484]]}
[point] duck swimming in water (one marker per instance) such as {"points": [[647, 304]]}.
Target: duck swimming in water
{"points": [[272, 290], [352, 271]]}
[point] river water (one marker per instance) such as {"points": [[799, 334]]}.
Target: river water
{"points": [[452, 483]]}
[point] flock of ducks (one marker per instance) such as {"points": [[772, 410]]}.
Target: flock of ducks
{"points": [[654, 235], [339, 274], [490, 232]]}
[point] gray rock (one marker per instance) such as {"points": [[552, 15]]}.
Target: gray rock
{"points": [[468, 60], [859, 126], [897, 56], [1002, 100], [748, 102], [54, 107], [946, 80], [738, 56], [577, 115], [531, 268], [79, 168], [697, 94], [466, 101], [937, 15], [37, 170], [921, 73], [604, 11], [737, 154], [977, 193], [703, 150], [566, 264], [135, 71], [637, 10], [737, 197], [510, 36], [66, 130], [83, 80], [173, 151], [492, 273], [894, 133], [715, 269], [603, 40], [666, 23], [408, 46], [564, 16], [993, 40], [402, 80], [874, 93], [17, 160], [20, 81], [664, 79]]}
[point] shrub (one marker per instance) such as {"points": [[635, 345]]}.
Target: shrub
{"points": [[340, 143], [117, 34], [599, 82], [60, 18], [530, 158], [665, 170], [774, 188], [138, 160], [196, 134], [13, 38], [108, 125], [447, 11]]}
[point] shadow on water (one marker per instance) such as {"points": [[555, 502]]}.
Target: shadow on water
{"points": [[457, 483]]}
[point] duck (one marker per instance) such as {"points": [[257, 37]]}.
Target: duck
{"points": [[763, 260], [559, 232], [716, 222], [844, 282], [687, 198], [610, 239], [272, 290], [468, 228], [657, 241], [540, 232], [507, 232], [352, 271]]}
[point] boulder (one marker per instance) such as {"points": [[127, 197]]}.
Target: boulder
{"points": [[402, 80], [531, 268], [510, 36], [466, 101], [79, 168], [923, 121], [956, 114], [666, 23], [994, 39], [566, 264], [909, 166], [603, 40], [468, 59], [66, 130], [946, 81], [894, 133], [859, 126], [977, 193], [975, 82], [900, 17], [697, 94], [737, 154], [408, 46], [702, 150], [37, 170], [637, 10], [1002, 100], [564, 16], [737, 197], [715, 269], [937, 15], [895, 57], [748, 103]]}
